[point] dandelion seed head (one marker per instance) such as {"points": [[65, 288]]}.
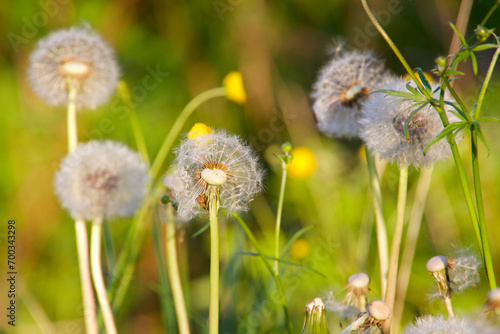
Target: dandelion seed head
{"points": [[216, 159], [383, 128], [101, 180], [464, 269], [76, 56], [359, 280], [437, 263], [454, 325], [379, 310], [343, 83]]}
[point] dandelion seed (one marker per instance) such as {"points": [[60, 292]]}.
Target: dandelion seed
{"points": [[101, 179], [342, 85], [219, 160], [78, 57], [464, 269], [455, 325], [383, 129]]}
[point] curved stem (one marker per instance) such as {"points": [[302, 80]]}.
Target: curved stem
{"points": [[179, 123], [71, 117], [396, 245], [412, 233], [382, 244], [278, 217], [480, 209], [487, 17], [100, 287], [173, 272], [486, 82], [89, 308], [213, 314]]}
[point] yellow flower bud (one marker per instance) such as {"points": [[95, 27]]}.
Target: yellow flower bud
{"points": [[235, 91], [300, 249], [303, 164], [199, 130]]}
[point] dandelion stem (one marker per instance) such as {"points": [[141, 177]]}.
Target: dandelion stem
{"points": [[100, 287], [396, 245], [382, 244], [173, 272], [410, 244], [279, 210], [449, 305], [276, 278], [179, 123], [480, 208], [71, 117], [213, 314], [89, 308]]}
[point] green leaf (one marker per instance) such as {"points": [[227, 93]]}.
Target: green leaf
{"points": [[411, 89], [459, 113], [485, 47], [301, 266], [481, 137], [297, 235], [462, 39], [487, 119], [201, 230], [423, 79], [474, 63], [447, 130], [395, 93]]}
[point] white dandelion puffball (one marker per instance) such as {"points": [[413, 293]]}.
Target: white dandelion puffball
{"points": [[383, 124], [343, 83], [101, 180], [220, 160], [454, 325], [78, 57]]}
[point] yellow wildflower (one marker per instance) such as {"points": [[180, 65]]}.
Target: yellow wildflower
{"points": [[300, 249], [303, 164], [199, 130], [235, 91]]}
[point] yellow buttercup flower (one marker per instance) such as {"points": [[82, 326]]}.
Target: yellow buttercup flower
{"points": [[303, 164], [199, 130], [300, 249], [235, 91]]}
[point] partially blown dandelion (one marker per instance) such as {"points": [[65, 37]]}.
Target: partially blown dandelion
{"points": [[101, 179], [383, 131], [78, 59], [215, 160], [342, 85]]}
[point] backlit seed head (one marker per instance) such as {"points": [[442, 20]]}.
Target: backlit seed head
{"points": [[77, 57], [383, 128], [101, 180], [359, 280], [451, 325], [215, 160], [379, 310], [342, 85], [437, 263]]}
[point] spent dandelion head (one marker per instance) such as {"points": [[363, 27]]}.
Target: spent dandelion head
{"points": [[101, 180], [383, 129], [371, 321], [76, 58], [216, 161], [315, 318], [235, 91], [355, 299], [343, 83], [452, 325]]}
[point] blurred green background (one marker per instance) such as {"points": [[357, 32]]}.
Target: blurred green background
{"points": [[279, 46]]}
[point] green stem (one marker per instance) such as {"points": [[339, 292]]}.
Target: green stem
{"points": [[71, 117], [480, 208], [100, 286], [276, 278], [173, 272], [412, 233], [137, 131], [382, 244], [486, 82], [213, 314], [89, 307], [278, 217], [390, 294], [179, 123], [487, 17]]}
